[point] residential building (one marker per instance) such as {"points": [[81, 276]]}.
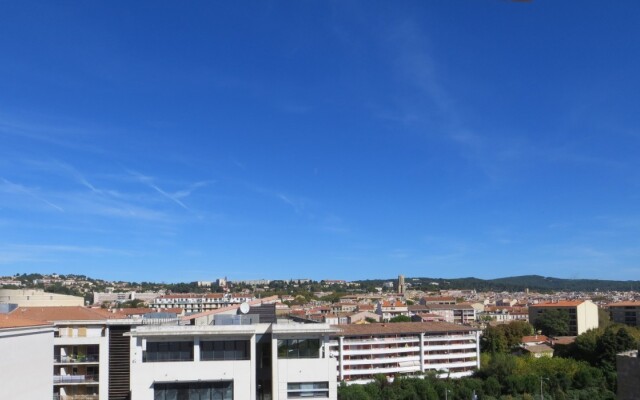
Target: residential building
{"points": [[390, 309], [366, 350], [197, 303], [583, 314], [438, 300], [26, 347], [237, 356], [38, 298], [626, 312], [506, 313], [120, 297], [461, 313]]}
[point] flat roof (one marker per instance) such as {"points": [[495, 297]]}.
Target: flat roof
{"points": [[400, 328]]}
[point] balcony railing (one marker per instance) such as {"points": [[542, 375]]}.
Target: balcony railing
{"points": [[88, 358], [75, 379], [75, 397]]}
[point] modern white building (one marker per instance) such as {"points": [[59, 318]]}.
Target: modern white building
{"points": [[26, 349], [236, 357], [364, 351]]}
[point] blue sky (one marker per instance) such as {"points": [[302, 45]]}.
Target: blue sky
{"points": [[167, 141]]}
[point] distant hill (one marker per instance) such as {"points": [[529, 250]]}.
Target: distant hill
{"points": [[516, 284]]}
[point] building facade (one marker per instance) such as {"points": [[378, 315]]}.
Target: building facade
{"points": [[26, 347], [627, 312], [364, 351], [197, 303], [244, 360], [583, 314]]}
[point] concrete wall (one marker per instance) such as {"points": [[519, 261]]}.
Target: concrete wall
{"points": [[143, 375], [38, 298], [587, 314], [26, 369], [628, 366]]}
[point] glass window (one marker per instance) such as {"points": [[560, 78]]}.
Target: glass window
{"points": [[298, 348], [300, 390], [224, 350], [168, 351], [193, 391]]}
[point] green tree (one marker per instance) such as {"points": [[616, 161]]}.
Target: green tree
{"points": [[553, 322], [494, 340], [400, 318]]}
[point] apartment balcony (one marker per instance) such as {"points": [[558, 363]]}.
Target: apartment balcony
{"points": [[382, 360], [79, 359], [382, 350], [451, 347], [75, 397], [75, 379]]}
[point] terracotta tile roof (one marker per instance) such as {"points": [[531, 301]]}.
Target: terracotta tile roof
{"points": [[401, 328], [563, 340], [625, 304], [76, 313], [438, 298], [393, 304], [565, 303], [9, 321], [534, 339]]}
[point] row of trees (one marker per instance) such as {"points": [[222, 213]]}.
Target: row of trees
{"points": [[584, 370], [502, 376]]}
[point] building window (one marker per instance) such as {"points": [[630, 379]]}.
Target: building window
{"points": [[168, 351], [224, 350], [193, 391], [304, 390], [298, 348]]}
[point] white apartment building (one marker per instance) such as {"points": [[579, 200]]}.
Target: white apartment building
{"points": [[233, 358], [364, 351], [391, 309], [197, 303], [26, 348]]}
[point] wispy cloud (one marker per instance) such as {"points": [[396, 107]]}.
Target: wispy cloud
{"points": [[14, 188], [175, 196]]}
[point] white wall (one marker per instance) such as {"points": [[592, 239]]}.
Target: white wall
{"points": [[143, 375], [587, 314], [26, 366]]}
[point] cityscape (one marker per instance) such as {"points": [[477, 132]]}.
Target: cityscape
{"points": [[327, 199], [299, 338]]}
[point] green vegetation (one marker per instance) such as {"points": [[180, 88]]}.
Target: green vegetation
{"points": [[502, 376], [553, 322], [584, 370], [511, 284], [503, 338], [400, 318]]}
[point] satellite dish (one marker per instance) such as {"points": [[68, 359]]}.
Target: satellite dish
{"points": [[244, 308]]}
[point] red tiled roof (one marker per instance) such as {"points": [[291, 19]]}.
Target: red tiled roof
{"points": [[76, 313], [625, 304], [534, 339], [401, 328], [9, 321], [565, 303]]}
